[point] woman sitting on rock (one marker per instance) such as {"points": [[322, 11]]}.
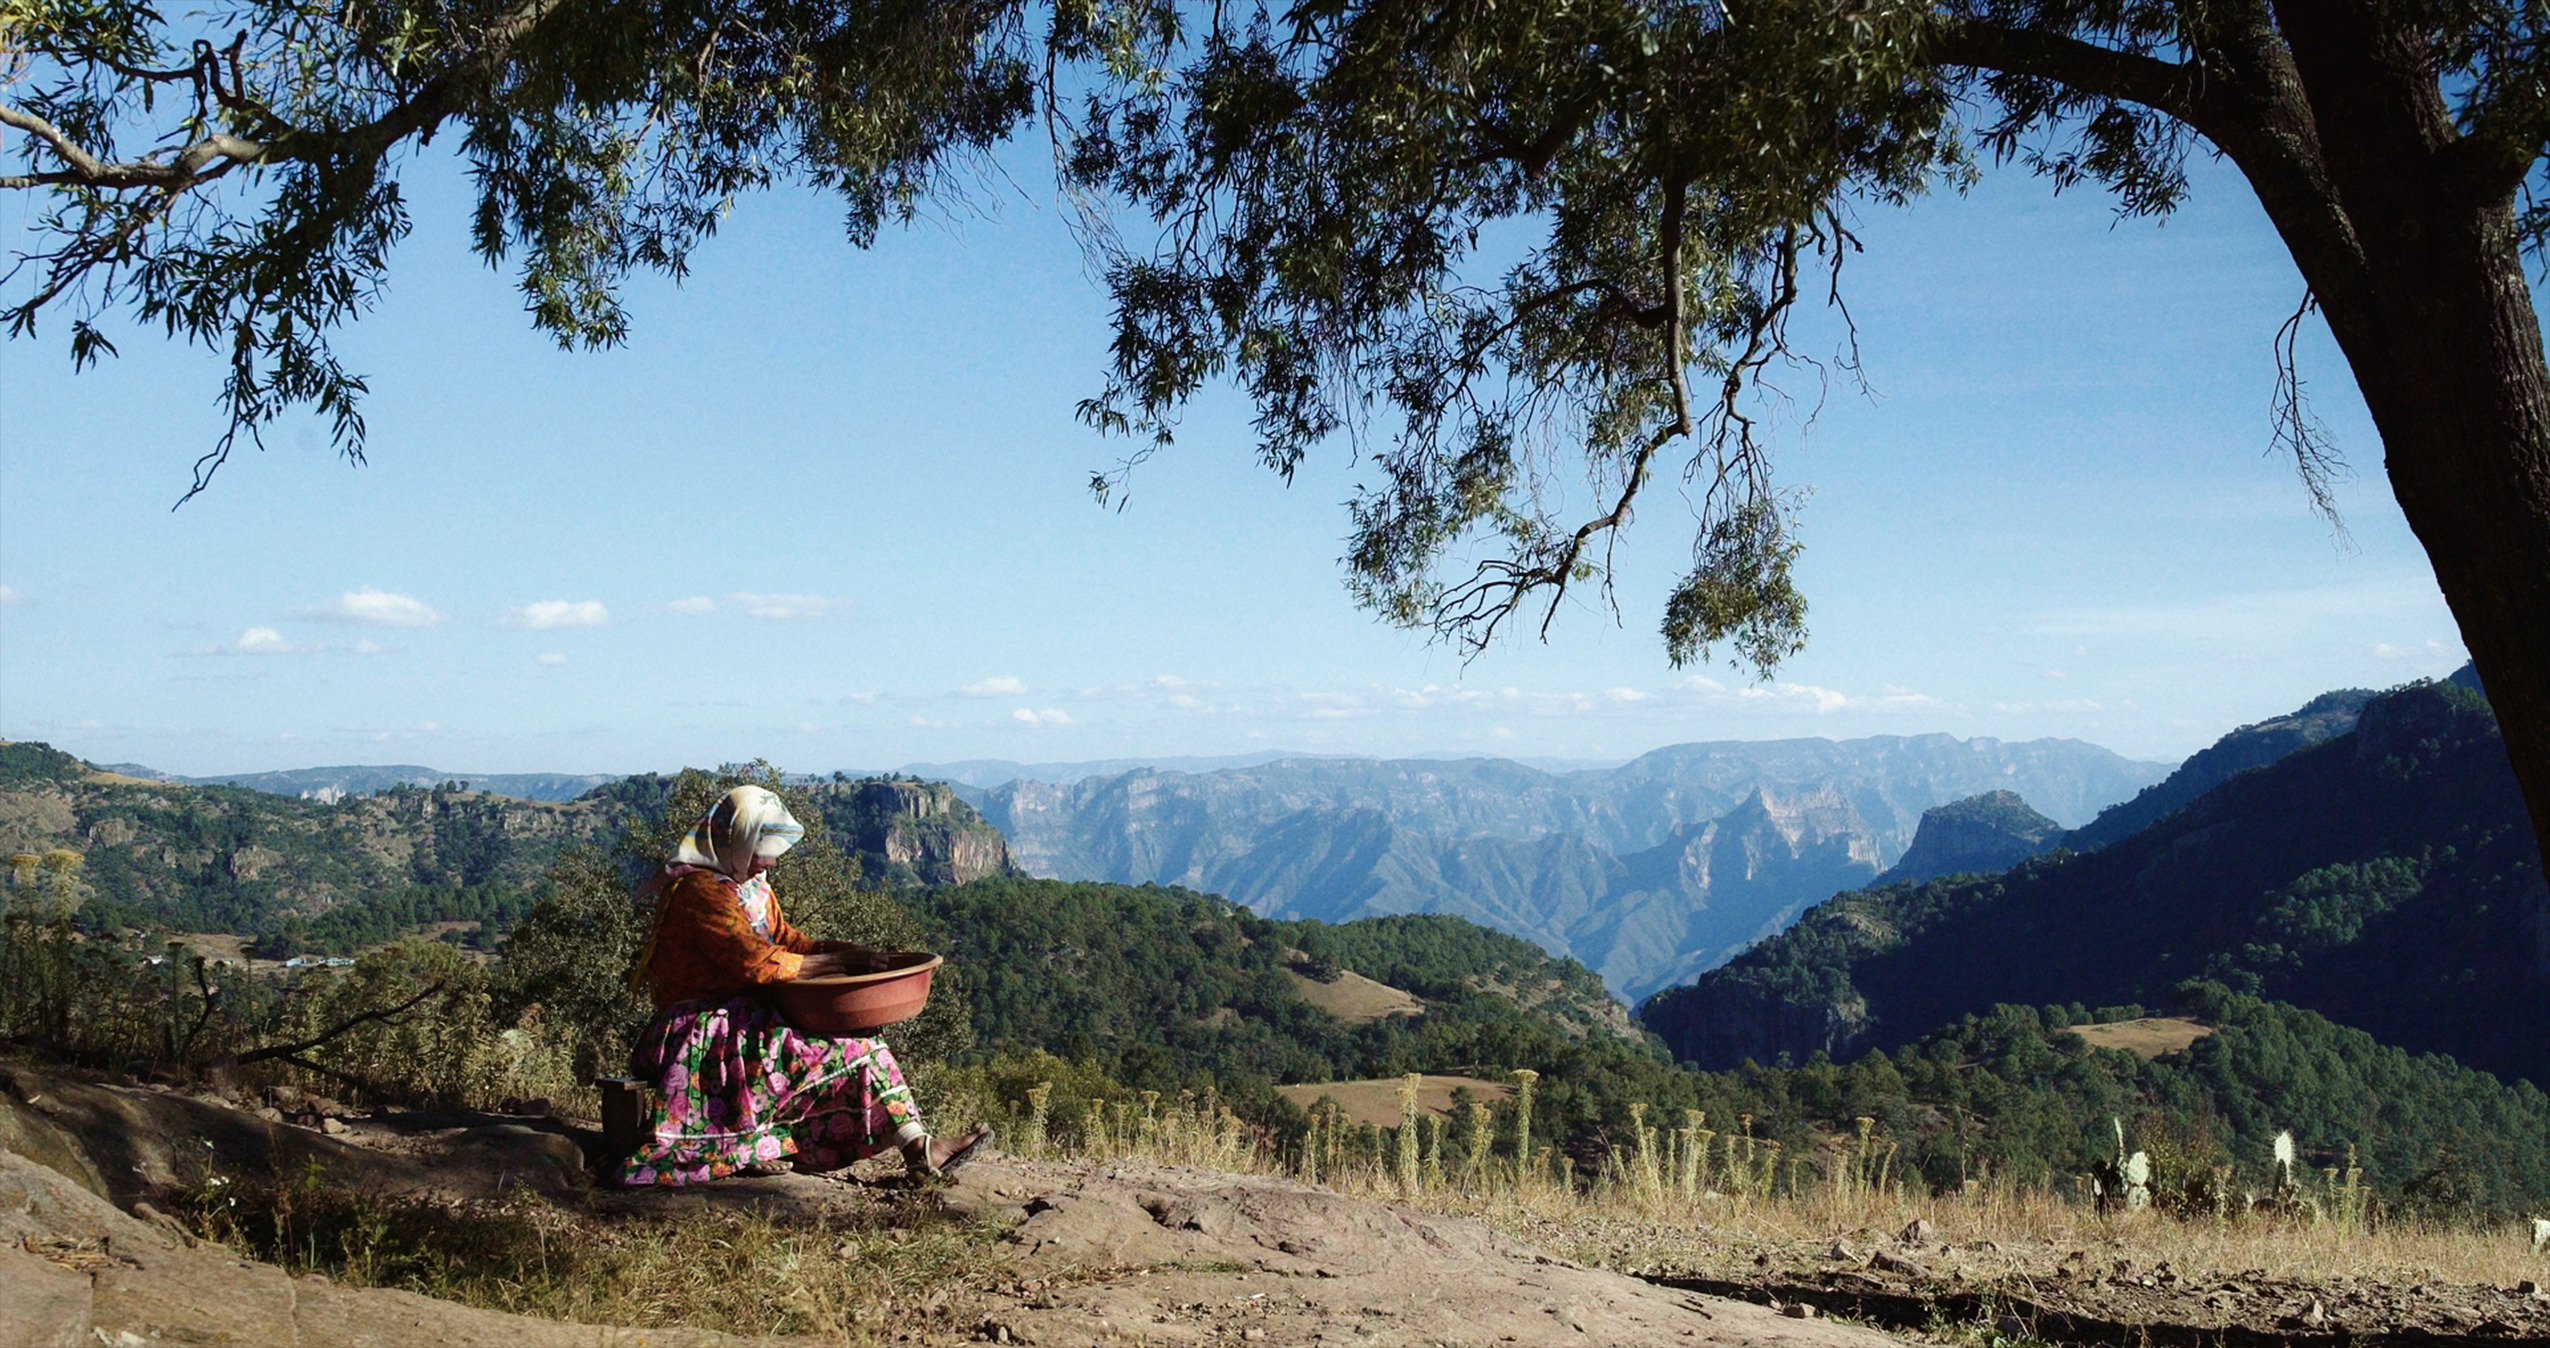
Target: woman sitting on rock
{"points": [[742, 1089]]}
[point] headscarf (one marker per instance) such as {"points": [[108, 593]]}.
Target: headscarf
{"points": [[748, 822]]}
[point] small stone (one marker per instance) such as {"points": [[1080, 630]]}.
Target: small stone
{"points": [[1253, 1335], [1918, 1233], [270, 1114], [2315, 1315], [1843, 1252], [332, 1126], [1798, 1310], [1887, 1263]]}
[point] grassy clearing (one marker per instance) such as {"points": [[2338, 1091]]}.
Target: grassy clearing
{"points": [[1353, 998], [2146, 1037], [1377, 1102]]}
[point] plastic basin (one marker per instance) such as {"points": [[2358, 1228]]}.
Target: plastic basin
{"points": [[846, 1004]]}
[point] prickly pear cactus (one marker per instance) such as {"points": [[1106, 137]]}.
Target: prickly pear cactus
{"points": [[2137, 1175]]}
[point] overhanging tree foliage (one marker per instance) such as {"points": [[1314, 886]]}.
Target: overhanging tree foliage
{"points": [[1321, 177]]}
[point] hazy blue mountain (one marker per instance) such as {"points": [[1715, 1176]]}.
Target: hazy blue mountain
{"points": [[1977, 835], [1648, 872], [982, 774]]}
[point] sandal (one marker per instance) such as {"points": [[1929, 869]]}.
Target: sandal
{"points": [[917, 1171]]}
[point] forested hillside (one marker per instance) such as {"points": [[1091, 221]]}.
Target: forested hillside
{"points": [[333, 875], [1166, 989], [1649, 872], [2385, 877], [1155, 982]]}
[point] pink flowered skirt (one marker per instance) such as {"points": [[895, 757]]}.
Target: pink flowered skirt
{"points": [[742, 1087]]}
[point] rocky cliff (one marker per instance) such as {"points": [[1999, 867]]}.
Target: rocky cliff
{"points": [[908, 832], [1977, 835]]}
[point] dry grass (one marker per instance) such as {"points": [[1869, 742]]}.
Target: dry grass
{"points": [[1354, 998], [1736, 1205], [854, 1280], [2147, 1038]]}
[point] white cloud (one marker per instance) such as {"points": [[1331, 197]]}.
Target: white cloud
{"points": [[552, 658], [368, 647], [265, 641], [1177, 692], [2383, 650], [863, 699], [1048, 716], [781, 607], [555, 613], [376, 608], [692, 607], [1001, 685], [1700, 683], [10, 598], [1625, 695]]}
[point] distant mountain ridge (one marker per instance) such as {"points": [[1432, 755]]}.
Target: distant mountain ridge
{"points": [[363, 780], [227, 859], [2386, 877], [2251, 746], [1648, 872]]}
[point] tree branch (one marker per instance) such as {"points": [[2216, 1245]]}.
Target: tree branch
{"points": [[292, 1051], [2163, 86], [439, 98], [2246, 97]]}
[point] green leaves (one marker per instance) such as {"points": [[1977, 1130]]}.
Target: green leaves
{"points": [[601, 139], [1321, 179]]}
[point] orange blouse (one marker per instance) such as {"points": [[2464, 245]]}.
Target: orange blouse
{"points": [[705, 947]]}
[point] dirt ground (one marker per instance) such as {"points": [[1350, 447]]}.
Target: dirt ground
{"points": [[1127, 1252], [1124, 1253], [2064, 1292]]}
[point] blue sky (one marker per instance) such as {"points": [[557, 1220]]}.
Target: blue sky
{"points": [[827, 507]]}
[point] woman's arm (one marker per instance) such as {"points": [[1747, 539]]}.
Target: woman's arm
{"points": [[706, 932]]}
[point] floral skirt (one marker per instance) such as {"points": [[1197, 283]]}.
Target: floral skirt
{"points": [[743, 1087]]}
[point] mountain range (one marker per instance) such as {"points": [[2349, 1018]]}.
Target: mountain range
{"points": [[1649, 872], [162, 855], [2379, 869]]}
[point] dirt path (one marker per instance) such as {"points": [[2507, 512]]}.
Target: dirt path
{"points": [[1142, 1253]]}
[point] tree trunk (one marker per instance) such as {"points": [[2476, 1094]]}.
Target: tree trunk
{"points": [[2451, 366], [2434, 317]]}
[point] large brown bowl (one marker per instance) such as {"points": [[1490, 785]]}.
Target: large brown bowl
{"points": [[845, 1004]]}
